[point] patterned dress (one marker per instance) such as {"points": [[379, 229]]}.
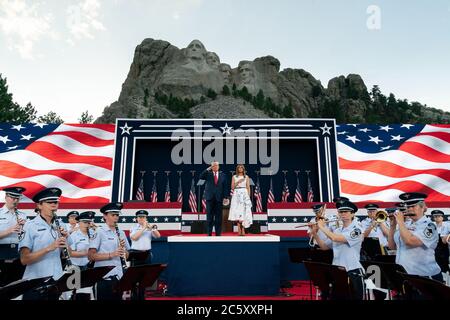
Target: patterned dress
{"points": [[241, 204]]}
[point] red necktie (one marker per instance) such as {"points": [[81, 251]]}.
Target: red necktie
{"points": [[215, 178]]}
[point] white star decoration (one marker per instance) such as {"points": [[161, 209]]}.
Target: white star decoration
{"points": [[134, 219], [126, 129], [375, 139], [397, 138], [13, 148], [155, 219], [40, 125], [343, 132], [4, 139], [386, 148], [123, 219], [326, 129], [18, 127], [274, 219], [284, 219], [176, 219], [226, 129], [28, 137], [364, 130], [305, 219], [166, 219], [386, 128], [295, 219], [352, 139], [407, 126]]}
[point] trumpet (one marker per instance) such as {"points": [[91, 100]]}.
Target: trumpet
{"points": [[151, 227], [327, 221], [381, 216]]}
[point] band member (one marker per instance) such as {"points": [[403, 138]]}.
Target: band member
{"points": [[415, 239], [320, 213], [108, 248], [11, 228], [372, 228], [141, 236], [72, 224], [40, 248], [346, 243], [79, 247], [441, 251]]}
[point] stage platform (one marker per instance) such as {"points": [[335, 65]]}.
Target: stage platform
{"points": [[201, 265]]}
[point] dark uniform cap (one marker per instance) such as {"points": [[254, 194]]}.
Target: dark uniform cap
{"points": [[371, 206], [401, 206], [14, 192], [437, 213], [112, 207], [391, 210], [412, 198], [49, 194], [73, 213], [340, 199], [346, 206], [316, 208], [141, 213], [86, 216]]}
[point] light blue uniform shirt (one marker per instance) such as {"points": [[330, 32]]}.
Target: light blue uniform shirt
{"points": [[38, 235], [144, 242], [376, 232], [419, 260], [79, 242], [347, 254], [7, 220], [105, 241]]}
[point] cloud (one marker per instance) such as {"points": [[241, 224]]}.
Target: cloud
{"points": [[83, 20], [23, 25]]}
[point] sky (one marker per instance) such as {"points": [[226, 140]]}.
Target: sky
{"points": [[70, 56]]}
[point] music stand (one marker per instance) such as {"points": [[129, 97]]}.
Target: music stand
{"points": [[390, 278], [137, 255], [342, 288], [431, 289], [139, 277], [300, 255], [88, 278], [19, 287], [371, 247]]}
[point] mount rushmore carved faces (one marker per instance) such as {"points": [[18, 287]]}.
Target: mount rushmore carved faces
{"points": [[213, 59]]}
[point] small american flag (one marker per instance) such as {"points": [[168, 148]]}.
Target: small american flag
{"points": [[377, 163], [258, 198], [298, 194], [285, 194], [270, 196], [154, 194], [74, 157], [203, 202], [180, 192], [167, 193], [310, 195], [140, 190], [192, 197]]}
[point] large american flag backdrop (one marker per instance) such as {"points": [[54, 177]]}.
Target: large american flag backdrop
{"points": [[376, 163]]}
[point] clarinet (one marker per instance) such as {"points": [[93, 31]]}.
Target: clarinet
{"points": [[122, 259], [65, 256], [21, 233]]}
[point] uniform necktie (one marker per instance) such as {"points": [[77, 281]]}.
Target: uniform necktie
{"points": [[216, 179]]}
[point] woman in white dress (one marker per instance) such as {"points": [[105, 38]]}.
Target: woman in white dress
{"points": [[241, 205]]}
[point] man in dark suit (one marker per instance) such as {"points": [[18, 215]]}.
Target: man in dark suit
{"points": [[215, 185]]}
